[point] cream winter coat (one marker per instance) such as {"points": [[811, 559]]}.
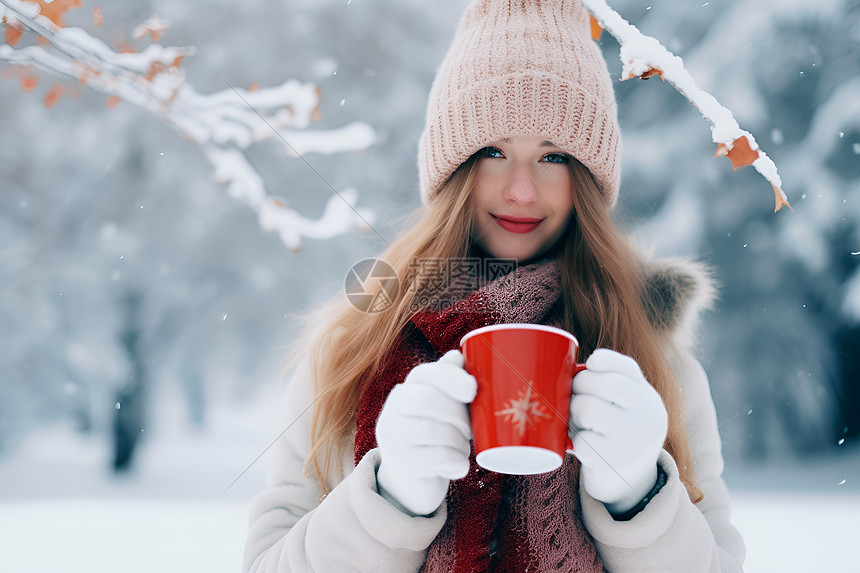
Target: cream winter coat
{"points": [[355, 529]]}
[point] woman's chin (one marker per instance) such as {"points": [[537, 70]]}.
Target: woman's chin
{"points": [[517, 254]]}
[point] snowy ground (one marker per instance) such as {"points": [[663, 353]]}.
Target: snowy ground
{"points": [[785, 533], [61, 512]]}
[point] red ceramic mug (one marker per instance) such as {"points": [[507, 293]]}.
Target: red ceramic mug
{"points": [[520, 413]]}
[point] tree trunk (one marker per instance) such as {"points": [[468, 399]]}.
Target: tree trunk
{"points": [[130, 399]]}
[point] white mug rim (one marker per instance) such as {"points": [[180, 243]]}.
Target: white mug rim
{"points": [[517, 326]]}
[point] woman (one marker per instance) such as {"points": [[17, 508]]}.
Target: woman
{"points": [[518, 164]]}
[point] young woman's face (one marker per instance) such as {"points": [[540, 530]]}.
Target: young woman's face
{"points": [[522, 196]]}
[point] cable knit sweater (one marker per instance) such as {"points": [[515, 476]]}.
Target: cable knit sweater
{"points": [[355, 529]]}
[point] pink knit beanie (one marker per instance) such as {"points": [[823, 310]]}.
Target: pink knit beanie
{"points": [[521, 67]]}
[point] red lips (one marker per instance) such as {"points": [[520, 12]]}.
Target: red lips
{"points": [[516, 224], [513, 219]]}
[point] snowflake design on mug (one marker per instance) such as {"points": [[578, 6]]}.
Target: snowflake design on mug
{"points": [[523, 411]]}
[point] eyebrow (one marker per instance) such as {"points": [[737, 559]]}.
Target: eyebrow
{"points": [[543, 143]]}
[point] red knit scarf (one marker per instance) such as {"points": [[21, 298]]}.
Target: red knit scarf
{"points": [[495, 522]]}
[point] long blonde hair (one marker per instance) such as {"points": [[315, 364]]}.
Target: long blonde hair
{"points": [[603, 304]]}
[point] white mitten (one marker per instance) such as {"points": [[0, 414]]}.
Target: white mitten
{"points": [[423, 434], [620, 425]]}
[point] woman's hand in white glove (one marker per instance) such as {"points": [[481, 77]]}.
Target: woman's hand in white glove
{"points": [[423, 434], [620, 425]]}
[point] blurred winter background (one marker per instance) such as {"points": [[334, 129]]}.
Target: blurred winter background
{"points": [[144, 312]]}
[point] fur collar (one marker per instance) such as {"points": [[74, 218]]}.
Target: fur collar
{"points": [[677, 292]]}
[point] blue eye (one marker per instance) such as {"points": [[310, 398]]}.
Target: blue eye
{"points": [[562, 158], [487, 151]]}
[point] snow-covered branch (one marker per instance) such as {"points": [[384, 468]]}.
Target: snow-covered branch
{"points": [[223, 123], [244, 183], [643, 56]]}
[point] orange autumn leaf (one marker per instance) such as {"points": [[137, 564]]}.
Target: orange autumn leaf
{"points": [[596, 29], [154, 27], [98, 17], [254, 87], [315, 112], [53, 95], [56, 11], [156, 68], [29, 81], [113, 101], [652, 72], [87, 74], [740, 154], [13, 32], [278, 203], [780, 200], [644, 75], [22, 73], [13, 35]]}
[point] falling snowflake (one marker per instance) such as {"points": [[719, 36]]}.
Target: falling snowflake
{"points": [[523, 411]]}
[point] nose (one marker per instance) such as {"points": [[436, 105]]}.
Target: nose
{"points": [[521, 187]]}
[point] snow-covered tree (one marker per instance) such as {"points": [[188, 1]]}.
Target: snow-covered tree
{"points": [[783, 341], [118, 252]]}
